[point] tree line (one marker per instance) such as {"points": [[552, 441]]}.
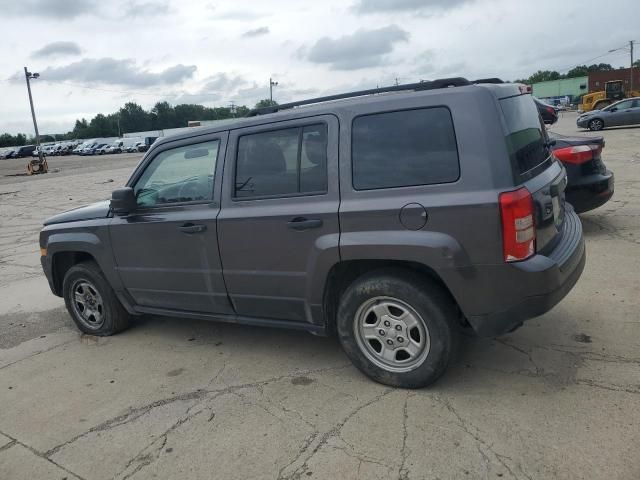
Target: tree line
{"points": [[578, 71], [133, 118]]}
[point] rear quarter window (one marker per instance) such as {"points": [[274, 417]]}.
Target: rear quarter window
{"points": [[525, 136], [404, 148]]}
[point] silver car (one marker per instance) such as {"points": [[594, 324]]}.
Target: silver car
{"points": [[624, 112]]}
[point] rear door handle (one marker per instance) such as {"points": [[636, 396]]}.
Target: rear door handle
{"points": [[192, 228], [302, 223]]}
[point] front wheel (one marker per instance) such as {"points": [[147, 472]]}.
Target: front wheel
{"points": [[596, 124], [398, 328], [91, 301]]}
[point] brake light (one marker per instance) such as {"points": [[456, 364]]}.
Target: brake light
{"points": [[579, 154], [551, 110], [518, 227], [525, 88]]}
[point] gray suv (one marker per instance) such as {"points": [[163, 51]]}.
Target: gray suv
{"points": [[393, 218]]}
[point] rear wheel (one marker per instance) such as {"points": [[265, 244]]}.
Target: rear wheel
{"points": [[596, 124], [91, 301], [397, 327]]}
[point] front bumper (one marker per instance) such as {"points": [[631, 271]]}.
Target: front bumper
{"points": [[506, 295], [583, 122], [593, 191]]}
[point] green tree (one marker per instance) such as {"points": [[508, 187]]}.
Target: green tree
{"points": [[163, 115], [266, 103], [102, 126], [133, 118], [81, 129], [579, 71], [600, 67], [544, 76]]}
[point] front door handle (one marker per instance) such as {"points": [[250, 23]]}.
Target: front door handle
{"points": [[302, 223], [192, 228]]}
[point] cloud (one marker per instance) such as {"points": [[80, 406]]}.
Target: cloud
{"points": [[147, 9], [215, 88], [256, 32], [364, 48], [58, 9], [387, 6], [56, 49], [111, 71]]}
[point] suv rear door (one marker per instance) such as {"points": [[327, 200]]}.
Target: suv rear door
{"points": [[278, 228]]}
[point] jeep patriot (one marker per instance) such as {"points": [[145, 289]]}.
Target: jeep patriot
{"points": [[392, 218]]}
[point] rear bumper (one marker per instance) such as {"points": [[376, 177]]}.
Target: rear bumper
{"points": [[504, 296], [593, 191]]}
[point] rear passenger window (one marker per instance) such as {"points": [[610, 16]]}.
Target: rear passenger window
{"points": [[406, 148], [285, 162]]}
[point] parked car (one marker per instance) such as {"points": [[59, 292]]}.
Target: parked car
{"points": [[24, 151], [590, 184], [97, 149], [102, 149], [549, 113], [7, 154], [624, 112], [444, 209], [136, 147]]}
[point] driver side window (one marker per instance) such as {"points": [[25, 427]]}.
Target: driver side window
{"points": [[182, 174]]}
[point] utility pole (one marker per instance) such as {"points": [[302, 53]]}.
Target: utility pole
{"points": [[232, 109], [271, 85], [28, 76], [631, 69]]}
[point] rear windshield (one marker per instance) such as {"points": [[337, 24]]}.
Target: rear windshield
{"points": [[526, 138]]}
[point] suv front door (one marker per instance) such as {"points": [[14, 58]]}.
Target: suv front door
{"points": [[278, 227], [166, 251]]}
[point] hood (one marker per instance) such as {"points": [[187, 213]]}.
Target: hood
{"points": [[589, 113], [88, 212]]}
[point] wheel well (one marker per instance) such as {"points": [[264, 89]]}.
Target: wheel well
{"points": [[62, 262], [344, 273]]}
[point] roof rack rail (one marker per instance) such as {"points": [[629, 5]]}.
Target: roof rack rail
{"points": [[423, 85]]}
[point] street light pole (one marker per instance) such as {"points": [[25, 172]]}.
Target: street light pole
{"points": [[631, 69], [28, 76], [271, 85]]}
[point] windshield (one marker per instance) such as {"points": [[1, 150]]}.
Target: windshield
{"points": [[526, 137]]}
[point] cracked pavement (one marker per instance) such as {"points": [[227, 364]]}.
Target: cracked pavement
{"points": [[176, 398]]}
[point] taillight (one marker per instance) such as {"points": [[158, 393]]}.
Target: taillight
{"points": [[579, 154], [518, 227], [525, 88], [551, 110]]}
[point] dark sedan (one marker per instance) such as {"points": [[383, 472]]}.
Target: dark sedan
{"points": [[590, 183], [549, 113]]}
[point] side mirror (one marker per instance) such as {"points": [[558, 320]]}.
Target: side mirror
{"points": [[123, 201]]}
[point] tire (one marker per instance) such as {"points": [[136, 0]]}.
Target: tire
{"points": [[99, 312], [596, 124], [384, 305]]}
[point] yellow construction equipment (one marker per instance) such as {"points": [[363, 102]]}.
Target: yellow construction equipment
{"points": [[613, 91]]}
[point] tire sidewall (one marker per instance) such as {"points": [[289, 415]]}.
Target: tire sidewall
{"points": [[426, 298], [80, 272], [596, 129]]}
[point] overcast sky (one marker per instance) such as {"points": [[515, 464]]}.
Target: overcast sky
{"points": [[93, 55]]}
